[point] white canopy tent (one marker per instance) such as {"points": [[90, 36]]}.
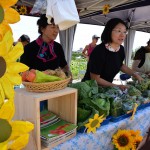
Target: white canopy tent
{"points": [[137, 18], [134, 12]]}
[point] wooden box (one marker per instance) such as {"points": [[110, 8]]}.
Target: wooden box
{"points": [[62, 102]]}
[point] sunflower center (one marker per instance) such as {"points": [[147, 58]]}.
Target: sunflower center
{"points": [[3, 66], [1, 14], [5, 130], [123, 140], [94, 123]]}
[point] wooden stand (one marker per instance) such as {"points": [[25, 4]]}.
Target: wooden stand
{"points": [[62, 102]]}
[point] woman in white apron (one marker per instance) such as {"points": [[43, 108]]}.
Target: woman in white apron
{"points": [[141, 61]]}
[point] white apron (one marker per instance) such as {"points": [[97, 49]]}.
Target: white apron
{"points": [[146, 65]]}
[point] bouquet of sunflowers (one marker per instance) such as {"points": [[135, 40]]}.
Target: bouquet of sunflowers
{"points": [[126, 139]]}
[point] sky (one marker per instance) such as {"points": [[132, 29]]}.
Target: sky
{"points": [[83, 36]]}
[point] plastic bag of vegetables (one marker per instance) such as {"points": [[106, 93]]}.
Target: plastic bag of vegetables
{"points": [[143, 85], [116, 107], [132, 91]]}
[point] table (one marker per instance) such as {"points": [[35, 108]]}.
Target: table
{"points": [[103, 135]]}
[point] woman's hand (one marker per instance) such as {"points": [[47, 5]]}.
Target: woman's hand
{"points": [[138, 77], [122, 87]]}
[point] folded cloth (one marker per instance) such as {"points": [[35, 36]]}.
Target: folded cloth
{"points": [[124, 77], [64, 13]]}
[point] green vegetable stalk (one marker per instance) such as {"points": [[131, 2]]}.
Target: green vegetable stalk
{"points": [[42, 77]]}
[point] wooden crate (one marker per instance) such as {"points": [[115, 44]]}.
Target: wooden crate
{"points": [[62, 102]]}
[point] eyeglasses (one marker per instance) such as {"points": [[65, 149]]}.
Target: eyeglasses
{"points": [[120, 32]]}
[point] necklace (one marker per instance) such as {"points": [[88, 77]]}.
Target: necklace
{"points": [[110, 48]]}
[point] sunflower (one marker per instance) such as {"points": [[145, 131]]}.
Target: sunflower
{"points": [[106, 9], [135, 133], [13, 134], [8, 16], [136, 142], [23, 10], [137, 138], [123, 140], [10, 69], [94, 123]]}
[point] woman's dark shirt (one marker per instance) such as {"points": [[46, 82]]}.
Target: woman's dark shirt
{"points": [[104, 63], [30, 58]]}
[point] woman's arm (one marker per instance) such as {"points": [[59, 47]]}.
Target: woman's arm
{"points": [[105, 83], [131, 72], [84, 52]]}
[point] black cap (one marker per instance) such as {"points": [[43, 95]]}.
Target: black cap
{"points": [[24, 38], [95, 37]]}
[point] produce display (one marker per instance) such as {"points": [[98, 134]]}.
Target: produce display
{"points": [[110, 101], [37, 76]]}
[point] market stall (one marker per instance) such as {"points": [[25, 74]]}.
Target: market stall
{"points": [[62, 101]]}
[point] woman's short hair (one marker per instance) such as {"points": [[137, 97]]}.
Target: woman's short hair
{"points": [[24, 38], [110, 25], [42, 22]]}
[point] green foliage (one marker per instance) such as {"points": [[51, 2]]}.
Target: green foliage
{"points": [[85, 89], [78, 63]]}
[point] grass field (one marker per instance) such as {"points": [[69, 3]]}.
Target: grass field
{"points": [[78, 65]]}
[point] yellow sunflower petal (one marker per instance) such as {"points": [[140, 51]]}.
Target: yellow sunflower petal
{"points": [[15, 53], [1, 34], [98, 125], [20, 127], [7, 87], [16, 67], [6, 4], [3, 146], [7, 110], [90, 120], [94, 130], [3, 47], [96, 116], [101, 117], [4, 27], [19, 143], [87, 125], [9, 40], [2, 97], [15, 79], [6, 42], [11, 16], [88, 130]]}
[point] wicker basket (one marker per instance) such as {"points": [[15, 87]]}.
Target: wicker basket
{"points": [[47, 86]]}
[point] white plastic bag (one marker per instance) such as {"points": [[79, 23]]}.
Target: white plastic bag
{"points": [[64, 13]]}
